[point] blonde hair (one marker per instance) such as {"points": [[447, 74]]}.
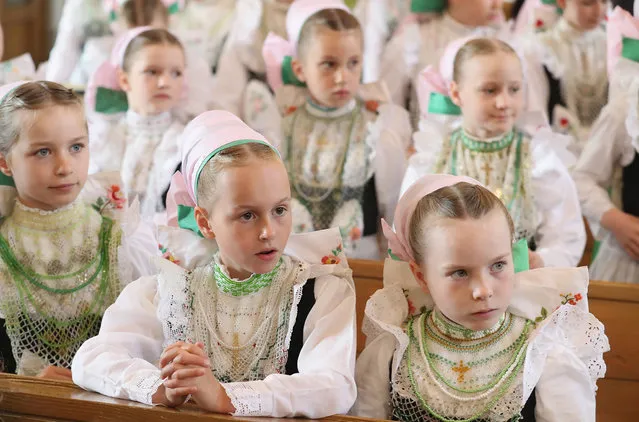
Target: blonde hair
{"points": [[478, 47], [334, 19], [143, 12], [31, 96], [460, 201], [147, 38], [235, 156]]}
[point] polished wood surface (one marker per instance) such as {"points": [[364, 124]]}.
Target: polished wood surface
{"points": [[616, 305], [25, 26], [34, 399]]}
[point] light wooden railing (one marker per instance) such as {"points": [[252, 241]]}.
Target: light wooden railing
{"points": [[617, 307]]}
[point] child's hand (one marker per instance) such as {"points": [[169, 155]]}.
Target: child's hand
{"points": [[182, 364], [211, 396], [56, 373], [625, 227], [535, 260]]}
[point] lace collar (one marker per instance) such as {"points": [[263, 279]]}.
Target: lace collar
{"points": [[235, 287], [155, 125], [487, 145], [41, 220], [329, 113], [456, 331]]}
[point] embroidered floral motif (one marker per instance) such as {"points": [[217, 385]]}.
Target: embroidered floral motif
{"points": [[372, 105], [168, 255], [542, 316], [334, 257], [539, 24], [412, 310], [564, 123], [355, 234], [290, 110], [570, 299], [114, 199]]}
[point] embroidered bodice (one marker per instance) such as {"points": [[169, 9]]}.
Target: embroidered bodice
{"points": [[58, 274], [502, 165], [245, 325], [329, 156], [449, 372]]}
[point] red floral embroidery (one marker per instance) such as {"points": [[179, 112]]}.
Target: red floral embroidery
{"points": [[372, 105], [290, 110], [563, 122], [571, 299], [116, 196], [355, 234], [411, 308], [539, 23], [333, 259], [168, 255]]}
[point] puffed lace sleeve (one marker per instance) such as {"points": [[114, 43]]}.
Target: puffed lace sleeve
{"points": [[564, 360], [68, 44], [117, 362], [608, 148], [428, 143], [390, 138], [560, 235], [399, 61]]}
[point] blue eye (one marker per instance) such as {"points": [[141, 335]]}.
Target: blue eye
{"points": [[44, 152], [77, 147], [459, 274], [247, 216], [498, 267]]}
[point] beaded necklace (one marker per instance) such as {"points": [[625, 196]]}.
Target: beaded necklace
{"points": [[252, 285], [499, 385]]}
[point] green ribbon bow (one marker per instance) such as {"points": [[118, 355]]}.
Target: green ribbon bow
{"points": [[428, 6], [110, 101], [288, 76], [7, 180], [442, 104], [630, 49]]}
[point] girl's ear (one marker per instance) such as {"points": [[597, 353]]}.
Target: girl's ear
{"points": [[4, 166], [454, 93], [123, 80], [419, 276], [296, 65], [202, 220]]}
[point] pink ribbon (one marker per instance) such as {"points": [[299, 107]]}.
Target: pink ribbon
{"points": [[620, 24]]}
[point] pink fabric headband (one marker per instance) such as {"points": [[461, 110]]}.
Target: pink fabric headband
{"points": [[622, 26], [278, 52], [398, 239], [204, 137]]}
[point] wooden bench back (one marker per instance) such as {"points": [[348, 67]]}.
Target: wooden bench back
{"points": [[615, 304]]}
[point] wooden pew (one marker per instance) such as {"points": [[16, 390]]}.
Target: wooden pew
{"points": [[37, 400], [617, 307]]}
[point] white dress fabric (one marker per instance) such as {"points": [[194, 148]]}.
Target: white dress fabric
{"points": [[379, 20], [203, 26], [121, 361], [81, 20], [144, 149], [578, 60], [416, 46], [530, 176], [613, 145], [562, 355], [331, 155], [72, 264], [241, 64]]}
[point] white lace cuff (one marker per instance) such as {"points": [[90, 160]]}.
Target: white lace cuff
{"points": [[247, 400], [145, 388]]}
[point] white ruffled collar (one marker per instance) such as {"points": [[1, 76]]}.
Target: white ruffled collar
{"points": [[148, 125], [38, 219], [329, 113], [570, 34]]}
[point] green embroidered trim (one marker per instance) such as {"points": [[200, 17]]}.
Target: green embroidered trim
{"points": [[517, 360], [23, 274], [288, 76], [630, 49], [479, 146], [254, 284], [222, 148], [455, 330], [428, 6], [442, 104]]}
